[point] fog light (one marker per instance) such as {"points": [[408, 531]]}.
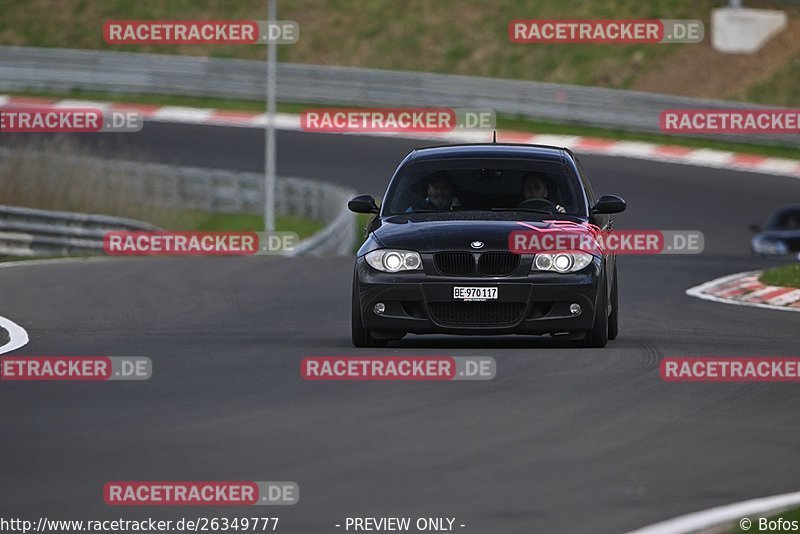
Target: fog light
{"points": [[575, 308], [380, 308]]}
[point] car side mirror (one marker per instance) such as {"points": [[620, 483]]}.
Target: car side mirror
{"points": [[755, 228], [609, 204], [363, 204]]}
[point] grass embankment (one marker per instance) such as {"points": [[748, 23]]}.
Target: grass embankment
{"points": [[234, 222], [450, 36], [787, 276], [457, 36]]}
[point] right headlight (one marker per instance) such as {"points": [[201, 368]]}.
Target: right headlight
{"points": [[392, 261], [561, 262]]}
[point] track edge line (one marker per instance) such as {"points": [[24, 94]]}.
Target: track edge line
{"points": [[722, 515], [17, 336]]}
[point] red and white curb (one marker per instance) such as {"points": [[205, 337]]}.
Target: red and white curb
{"points": [[744, 515], [702, 157], [744, 289]]}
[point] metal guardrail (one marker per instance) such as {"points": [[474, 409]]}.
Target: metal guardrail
{"points": [[336, 239], [31, 232], [65, 69], [34, 232]]}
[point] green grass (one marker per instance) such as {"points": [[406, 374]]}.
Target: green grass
{"points": [[782, 88], [788, 276], [236, 222], [458, 36], [467, 37], [503, 122]]}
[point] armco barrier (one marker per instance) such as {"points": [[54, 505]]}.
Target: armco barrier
{"points": [[124, 72], [31, 232], [35, 232]]}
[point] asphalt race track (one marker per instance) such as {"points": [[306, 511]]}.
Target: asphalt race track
{"points": [[562, 440]]}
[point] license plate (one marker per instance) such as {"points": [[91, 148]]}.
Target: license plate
{"points": [[474, 293]]}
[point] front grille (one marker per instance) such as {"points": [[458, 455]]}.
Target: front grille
{"points": [[498, 263], [476, 313], [455, 263], [489, 263]]}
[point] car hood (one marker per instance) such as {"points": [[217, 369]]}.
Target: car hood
{"points": [[779, 234], [433, 232]]}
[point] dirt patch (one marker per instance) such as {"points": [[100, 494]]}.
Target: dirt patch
{"points": [[700, 71]]}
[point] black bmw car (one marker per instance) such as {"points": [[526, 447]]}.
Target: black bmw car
{"points": [[438, 260], [780, 236]]}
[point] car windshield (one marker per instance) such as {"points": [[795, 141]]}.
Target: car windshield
{"points": [[484, 184], [788, 219]]}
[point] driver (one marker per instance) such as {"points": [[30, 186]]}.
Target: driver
{"points": [[441, 192], [534, 185], [792, 222]]}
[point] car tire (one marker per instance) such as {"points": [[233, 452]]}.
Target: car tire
{"points": [[360, 336], [613, 324], [597, 337]]}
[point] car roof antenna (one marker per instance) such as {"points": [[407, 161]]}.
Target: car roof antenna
{"points": [[494, 137]]}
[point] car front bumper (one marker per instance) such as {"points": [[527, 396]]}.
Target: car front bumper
{"points": [[536, 303]]}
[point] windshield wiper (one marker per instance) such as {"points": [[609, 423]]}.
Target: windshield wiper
{"points": [[531, 210], [557, 215]]}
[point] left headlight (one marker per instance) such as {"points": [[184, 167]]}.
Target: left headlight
{"points": [[392, 261], [561, 262], [771, 247]]}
